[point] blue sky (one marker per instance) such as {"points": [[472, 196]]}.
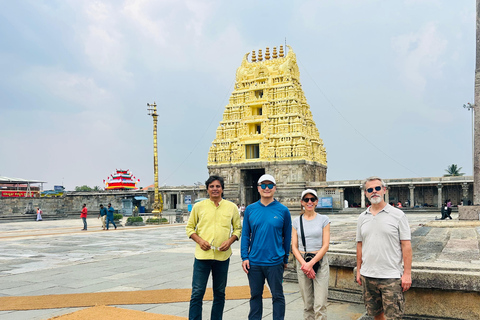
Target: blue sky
{"points": [[385, 80]]}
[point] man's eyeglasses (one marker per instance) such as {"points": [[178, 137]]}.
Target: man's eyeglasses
{"points": [[307, 200], [377, 188], [265, 185]]}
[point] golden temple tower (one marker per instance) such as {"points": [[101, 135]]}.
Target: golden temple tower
{"points": [[267, 127]]}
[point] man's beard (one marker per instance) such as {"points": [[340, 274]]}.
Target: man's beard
{"points": [[376, 200]]}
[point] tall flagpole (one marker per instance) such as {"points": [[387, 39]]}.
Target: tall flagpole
{"points": [[158, 201]]}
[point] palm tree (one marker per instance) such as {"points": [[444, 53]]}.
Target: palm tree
{"points": [[453, 170]]}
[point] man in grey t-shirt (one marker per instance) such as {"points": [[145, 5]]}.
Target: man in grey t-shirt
{"points": [[383, 241]]}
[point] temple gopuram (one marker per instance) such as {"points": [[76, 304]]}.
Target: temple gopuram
{"points": [[267, 127]]}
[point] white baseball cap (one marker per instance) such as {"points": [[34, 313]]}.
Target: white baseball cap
{"points": [[311, 191], [267, 177]]}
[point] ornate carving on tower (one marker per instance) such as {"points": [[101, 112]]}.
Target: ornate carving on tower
{"points": [[268, 117]]}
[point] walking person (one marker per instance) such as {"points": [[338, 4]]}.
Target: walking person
{"points": [[449, 209], [214, 225], [444, 211], [110, 212], [310, 241], [39, 214], [383, 242], [83, 215], [103, 215], [265, 246]]}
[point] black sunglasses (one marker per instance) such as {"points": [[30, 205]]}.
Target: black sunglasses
{"points": [[306, 200], [377, 188], [269, 185]]}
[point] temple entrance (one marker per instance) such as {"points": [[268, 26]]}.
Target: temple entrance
{"points": [[173, 201], [250, 178]]}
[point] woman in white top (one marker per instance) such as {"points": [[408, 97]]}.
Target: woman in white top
{"points": [[39, 214], [316, 229]]}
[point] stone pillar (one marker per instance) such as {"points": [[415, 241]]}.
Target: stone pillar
{"points": [[182, 195], [387, 194], [412, 195], [465, 193], [476, 114], [362, 197], [341, 191], [439, 197]]}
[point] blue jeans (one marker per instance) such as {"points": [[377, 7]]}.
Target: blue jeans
{"points": [[256, 280], [108, 222], [84, 223], [201, 272]]}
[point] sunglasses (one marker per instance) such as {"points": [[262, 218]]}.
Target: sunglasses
{"points": [[377, 188], [264, 185], [307, 200]]}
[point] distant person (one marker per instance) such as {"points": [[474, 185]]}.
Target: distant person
{"points": [[445, 211], [345, 203], [39, 214], [110, 212], [399, 204], [103, 215], [310, 241], [242, 210], [214, 225], [83, 215], [265, 246], [383, 241], [449, 208]]}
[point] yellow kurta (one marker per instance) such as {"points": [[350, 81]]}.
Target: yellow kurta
{"points": [[215, 225]]}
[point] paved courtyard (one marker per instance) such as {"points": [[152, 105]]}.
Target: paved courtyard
{"points": [[56, 257]]}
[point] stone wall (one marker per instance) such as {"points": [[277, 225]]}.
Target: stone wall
{"points": [[69, 203]]}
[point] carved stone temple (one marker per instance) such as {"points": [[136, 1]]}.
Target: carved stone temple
{"points": [[267, 127]]}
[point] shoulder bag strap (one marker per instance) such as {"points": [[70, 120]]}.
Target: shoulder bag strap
{"points": [[302, 233]]}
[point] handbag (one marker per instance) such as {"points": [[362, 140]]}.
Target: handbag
{"points": [[308, 255]]}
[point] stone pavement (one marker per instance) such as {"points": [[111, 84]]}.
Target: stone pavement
{"points": [[55, 257]]}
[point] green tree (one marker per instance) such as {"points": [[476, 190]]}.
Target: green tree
{"points": [[453, 170], [83, 188], [96, 188]]}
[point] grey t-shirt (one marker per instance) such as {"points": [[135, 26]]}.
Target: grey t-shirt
{"points": [[313, 232], [381, 248]]}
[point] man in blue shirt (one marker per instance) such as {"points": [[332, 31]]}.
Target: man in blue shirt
{"points": [[110, 211], [265, 245]]}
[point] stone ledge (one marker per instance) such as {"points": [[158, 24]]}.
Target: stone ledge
{"points": [[444, 276], [469, 213], [452, 223]]}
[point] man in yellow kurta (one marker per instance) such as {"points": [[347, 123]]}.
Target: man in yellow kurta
{"points": [[214, 225]]}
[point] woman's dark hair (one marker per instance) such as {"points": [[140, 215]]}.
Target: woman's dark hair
{"points": [[213, 178]]}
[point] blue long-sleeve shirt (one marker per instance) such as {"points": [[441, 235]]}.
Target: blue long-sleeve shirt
{"points": [[266, 234], [110, 213]]}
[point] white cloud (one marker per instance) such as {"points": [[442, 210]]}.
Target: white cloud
{"points": [[75, 89], [419, 56], [104, 45]]}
